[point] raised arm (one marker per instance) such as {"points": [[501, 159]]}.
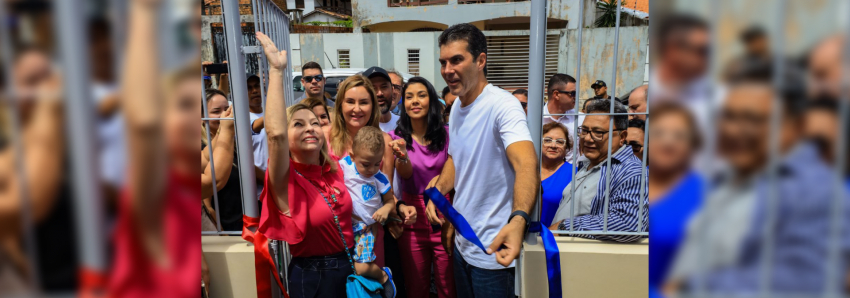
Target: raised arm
{"points": [[276, 129], [142, 105]]}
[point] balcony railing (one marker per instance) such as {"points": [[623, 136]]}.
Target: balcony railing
{"points": [[402, 3]]}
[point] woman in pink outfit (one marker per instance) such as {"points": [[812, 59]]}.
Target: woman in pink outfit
{"points": [[420, 143]]}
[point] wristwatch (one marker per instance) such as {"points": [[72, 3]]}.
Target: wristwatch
{"points": [[522, 214]]}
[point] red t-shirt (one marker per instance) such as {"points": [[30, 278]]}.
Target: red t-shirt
{"points": [[310, 230], [133, 273]]}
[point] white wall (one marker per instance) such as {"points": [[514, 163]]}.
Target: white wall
{"points": [[350, 41], [426, 44]]}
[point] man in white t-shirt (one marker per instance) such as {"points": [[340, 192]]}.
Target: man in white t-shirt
{"points": [[562, 100], [492, 166]]}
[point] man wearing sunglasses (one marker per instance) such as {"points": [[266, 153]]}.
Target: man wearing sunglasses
{"points": [[626, 194], [313, 80], [562, 100], [522, 95]]}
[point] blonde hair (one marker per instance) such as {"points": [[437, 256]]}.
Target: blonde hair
{"points": [[325, 158], [339, 134]]}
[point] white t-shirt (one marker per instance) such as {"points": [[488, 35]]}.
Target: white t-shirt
{"points": [[484, 178], [259, 143], [389, 126], [110, 130], [365, 192], [261, 149]]}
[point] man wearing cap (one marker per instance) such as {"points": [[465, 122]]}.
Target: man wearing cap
{"points": [[384, 91], [601, 90]]}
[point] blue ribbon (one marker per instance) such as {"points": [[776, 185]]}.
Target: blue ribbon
{"points": [[460, 223], [553, 261]]}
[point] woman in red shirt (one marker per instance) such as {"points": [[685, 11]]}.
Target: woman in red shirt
{"points": [[304, 197]]}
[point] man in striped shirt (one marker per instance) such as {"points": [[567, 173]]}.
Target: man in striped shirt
{"points": [[591, 179]]}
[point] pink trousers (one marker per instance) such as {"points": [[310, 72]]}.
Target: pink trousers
{"points": [[419, 250]]}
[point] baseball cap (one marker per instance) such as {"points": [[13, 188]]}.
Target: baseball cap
{"points": [[598, 83], [376, 71]]}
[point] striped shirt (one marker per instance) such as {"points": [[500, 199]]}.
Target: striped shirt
{"points": [[624, 202]]}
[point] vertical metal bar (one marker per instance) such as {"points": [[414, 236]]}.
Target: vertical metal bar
{"points": [[79, 115], [832, 276], [212, 161], [710, 140], [261, 59], [643, 177], [765, 278], [575, 118], [239, 94], [26, 220], [537, 53], [611, 119]]}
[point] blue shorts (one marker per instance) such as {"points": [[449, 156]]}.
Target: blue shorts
{"points": [[364, 243]]}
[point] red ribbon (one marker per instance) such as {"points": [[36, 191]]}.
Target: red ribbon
{"points": [[92, 283], [263, 262]]}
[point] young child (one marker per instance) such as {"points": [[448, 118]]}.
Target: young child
{"points": [[372, 199]]}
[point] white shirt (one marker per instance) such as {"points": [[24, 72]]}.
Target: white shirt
{"points": [[110, 130], [484, 179], [568, 121], [261, 149], [587, 182], [389, 126], [259, 143], [365, 192]]}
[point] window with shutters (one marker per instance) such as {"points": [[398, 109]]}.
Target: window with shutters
{"points": [[507, 60], [413, 61], [344, 58]]}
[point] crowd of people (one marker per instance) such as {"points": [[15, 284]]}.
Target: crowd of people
{"points": [[345, 176], [341, 179]]}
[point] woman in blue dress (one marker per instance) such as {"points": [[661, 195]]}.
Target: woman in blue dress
{"points": [[555, 172], [675, 189]]}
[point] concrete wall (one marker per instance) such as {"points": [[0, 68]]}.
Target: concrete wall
{"points": [[589, 268], [597, 53], [370, 12], [389, 50]]}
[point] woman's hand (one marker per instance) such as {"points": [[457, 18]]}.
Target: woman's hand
{"points": [[399, 148], [408, 213], [226, 124], [447, 237], [276, 59], [431, 212]]}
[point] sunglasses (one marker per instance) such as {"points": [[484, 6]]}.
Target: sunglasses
{"points": [[309, 79], [570, 93]]}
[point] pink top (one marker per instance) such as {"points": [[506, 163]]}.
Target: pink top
{"points": [[426, 165], [310, 230]]}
